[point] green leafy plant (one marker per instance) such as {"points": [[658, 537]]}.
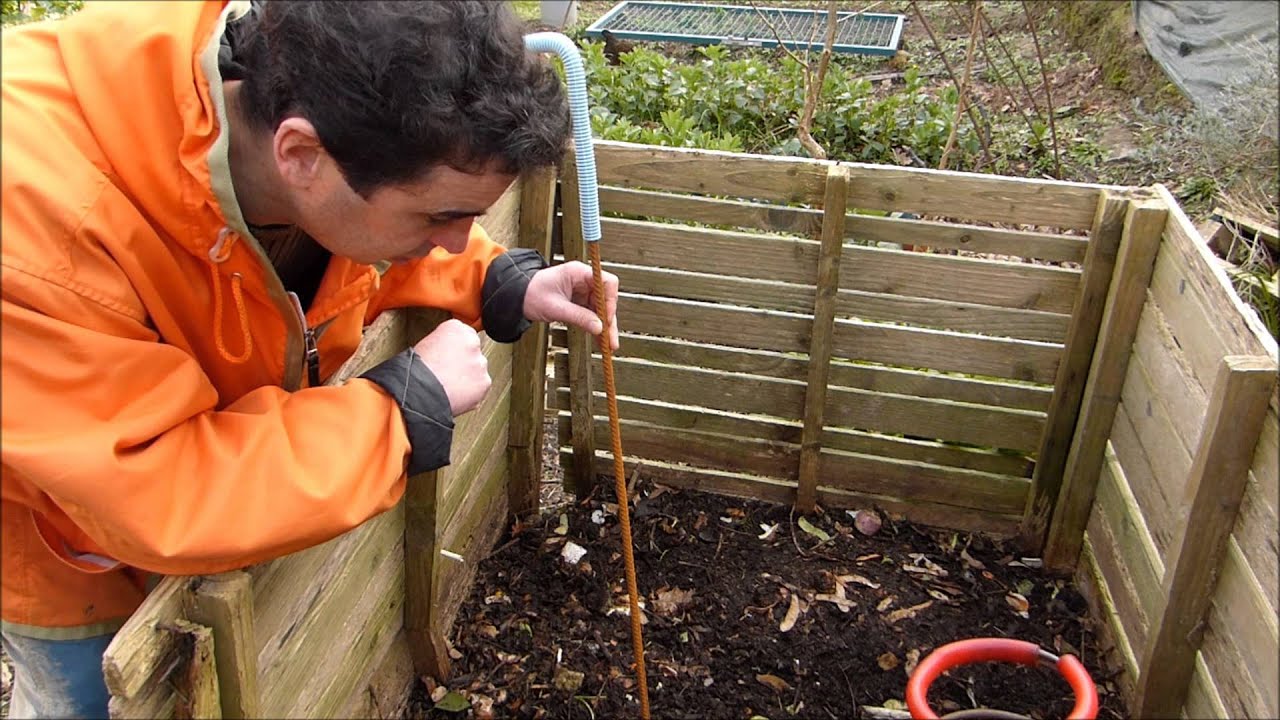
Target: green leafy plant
{"points": [[16, 12]]}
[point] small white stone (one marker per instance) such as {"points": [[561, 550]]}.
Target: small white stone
{"points": [[572, 552]]}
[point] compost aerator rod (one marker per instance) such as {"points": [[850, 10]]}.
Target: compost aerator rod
{"points": [[589, 202]]}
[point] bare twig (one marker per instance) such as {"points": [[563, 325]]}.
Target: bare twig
{"points": [[814, 89], [1013, 62], [1048, 97], [962, 101], [994, 68], [973, 117]]}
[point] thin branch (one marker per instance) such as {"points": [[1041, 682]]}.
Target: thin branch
{"points": [[995, 69], [1013, 62], [977, 126], [814, 90], [1048, 98], [962, 102]]}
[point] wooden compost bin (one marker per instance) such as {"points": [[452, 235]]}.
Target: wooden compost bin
{"points": [[784, 341], [345, 628], [1077, 376]]}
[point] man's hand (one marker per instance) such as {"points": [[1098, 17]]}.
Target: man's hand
{"points": [[566, 293], [452, 353]]}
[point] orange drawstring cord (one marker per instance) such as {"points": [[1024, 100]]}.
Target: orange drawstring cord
{"points": [[218, 253], [620, 483]]}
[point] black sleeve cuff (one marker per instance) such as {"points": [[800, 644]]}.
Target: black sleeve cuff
{"points": [[502, 297], [424, 406]]}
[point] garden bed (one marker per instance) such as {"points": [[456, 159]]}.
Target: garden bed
{"points": [[540, 637]]}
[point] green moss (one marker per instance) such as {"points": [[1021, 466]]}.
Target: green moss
{"points": [[1104, 30]]}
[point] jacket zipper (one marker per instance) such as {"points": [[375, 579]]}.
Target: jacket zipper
{"points": [[311, 350]]}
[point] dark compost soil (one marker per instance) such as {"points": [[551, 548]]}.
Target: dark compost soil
{"points": [[541, 637]]}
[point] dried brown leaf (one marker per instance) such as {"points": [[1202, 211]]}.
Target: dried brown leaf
{"points": [[913, 659], [907, 612], [793, 614], [773, 682], [669, 601], [887, 661], [886, 603], [859, 580]]}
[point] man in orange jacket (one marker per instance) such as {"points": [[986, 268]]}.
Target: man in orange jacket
{"points": [[203, 205]]}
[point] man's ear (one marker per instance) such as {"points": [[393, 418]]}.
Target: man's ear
{"points": [[299, 155]]}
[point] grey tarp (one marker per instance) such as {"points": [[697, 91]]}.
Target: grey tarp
{"points": [[1206, 45]]}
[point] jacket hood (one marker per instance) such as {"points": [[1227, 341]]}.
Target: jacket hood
{"points": [[120, 57]]}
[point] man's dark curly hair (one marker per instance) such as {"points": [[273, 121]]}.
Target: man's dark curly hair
{"points": [[397, 87]]}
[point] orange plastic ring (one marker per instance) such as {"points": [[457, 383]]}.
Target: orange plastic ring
{"points": [[976, 650]]}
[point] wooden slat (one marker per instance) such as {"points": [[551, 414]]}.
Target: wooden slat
{"points": [[703, 449], [875, 270], [934, 453], [1122, 590], [309, 601], [947, 351], [710, 172], [917, 481], [1167, 366], [197, 690], [983, 282], [864, 228], [1214, 488], [824, 315], [1093, 585], [771, 295], [866, 377], [974, 197], [529, 355], [1073, 370], [141, 653], [421, 558], [1139, 242], [846, 407], [459, 479], [387, 684], [1240, 617], [1119, 509], [1203, 699], [580, 371], [781, 491], [224, 603], [1147, 486]]}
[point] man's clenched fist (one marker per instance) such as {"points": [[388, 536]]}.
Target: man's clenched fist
{"points": [[452, 353]]}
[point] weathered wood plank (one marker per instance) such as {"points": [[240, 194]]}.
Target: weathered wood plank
{"points": [[911, 481], [387, 684], [970, 196], [1167, 366], [863, 228], [1073, 370], [1120, 586], [824, 315], [781, 491], [224, 603], [770, 295], [875, 378], [1150, 489], [1203, 699], [384, 337], [1137, 551], [1241, 617], [1212, 497], [421, 557], [580, 370], [336, 594], [529, 356], [846, 407], [1067, 516], [1093, 586], [947, 351], [458, 479], [776, 430], [141, 652], [876, 270], [710, 172], [197, 691], [502, 219]]}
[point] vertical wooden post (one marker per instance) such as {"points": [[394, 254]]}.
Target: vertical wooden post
{"points": [[824, 318], [197, 693], [421, 503], [225, 604], [1211, 500], [529, 357], [1140, 240], [1073, 369], [582, 426]]}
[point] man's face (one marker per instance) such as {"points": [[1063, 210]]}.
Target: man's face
{"points": [[399, 223]]}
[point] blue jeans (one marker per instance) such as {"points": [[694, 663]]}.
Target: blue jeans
{"points": [[57, 678]]}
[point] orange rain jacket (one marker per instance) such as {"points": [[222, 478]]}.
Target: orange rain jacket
{"points": [[130, 441]]}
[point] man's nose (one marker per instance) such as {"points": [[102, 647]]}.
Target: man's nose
{"points": [[453, 237]]}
